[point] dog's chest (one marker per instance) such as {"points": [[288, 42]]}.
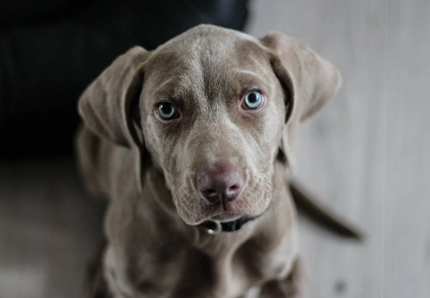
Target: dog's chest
{"points": [[207, 272]]}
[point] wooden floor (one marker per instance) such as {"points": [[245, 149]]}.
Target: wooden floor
{"points": [[366, 155], [49, 229]]}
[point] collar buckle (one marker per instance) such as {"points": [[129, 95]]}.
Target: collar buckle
{"points": [[213, 227]]}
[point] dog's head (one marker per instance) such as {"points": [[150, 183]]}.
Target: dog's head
{"points": [[214, 108]]}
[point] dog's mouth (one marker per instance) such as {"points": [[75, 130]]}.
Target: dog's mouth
{"points": [[251, 202], [222, 212], [227, 216]]}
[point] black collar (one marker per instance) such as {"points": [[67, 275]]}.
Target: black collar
{"points": [[215, 227]]}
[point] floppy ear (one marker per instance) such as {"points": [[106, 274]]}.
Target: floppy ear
{"points": [[309, 82], [105, 106]]}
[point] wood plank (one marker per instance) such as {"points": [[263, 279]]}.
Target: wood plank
{"points": [[407, 223]]}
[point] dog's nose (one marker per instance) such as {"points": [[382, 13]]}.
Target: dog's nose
{"points": [[220, 184]]}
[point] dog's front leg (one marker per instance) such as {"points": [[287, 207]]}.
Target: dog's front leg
{"points": [[290, 287]]}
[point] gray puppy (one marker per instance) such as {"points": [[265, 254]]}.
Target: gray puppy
{"points": [[191, 143]]}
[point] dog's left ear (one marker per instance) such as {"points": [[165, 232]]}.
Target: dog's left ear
{"points": [[108, 105], [308, 80], [105, 105]]}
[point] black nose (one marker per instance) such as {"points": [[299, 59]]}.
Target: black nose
{"points": [[221, 183]]}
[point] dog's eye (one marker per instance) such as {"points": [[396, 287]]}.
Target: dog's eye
{"points": [[253, 100], [167, 111]]}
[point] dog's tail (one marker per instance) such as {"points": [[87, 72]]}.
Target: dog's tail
{"points": [[307, 205]]}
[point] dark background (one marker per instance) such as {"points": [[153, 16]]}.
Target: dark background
{"points": [[50, 50]]}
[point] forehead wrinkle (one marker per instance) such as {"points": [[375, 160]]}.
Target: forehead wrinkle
{"points": [[162, 85], [248, 72]]}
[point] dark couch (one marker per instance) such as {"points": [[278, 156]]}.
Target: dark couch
{"points": [[50, 50]]}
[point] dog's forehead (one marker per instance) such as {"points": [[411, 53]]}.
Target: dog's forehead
{"points": [[205, 60], [205, 40]]}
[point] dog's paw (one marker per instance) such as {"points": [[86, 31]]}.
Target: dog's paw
{"points": [[290, 287]]}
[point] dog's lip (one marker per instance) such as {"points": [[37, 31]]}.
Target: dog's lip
{"points": [[226, 216], [216, 212]]}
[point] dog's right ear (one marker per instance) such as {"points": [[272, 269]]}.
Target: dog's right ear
{"points": [[105, 105]]}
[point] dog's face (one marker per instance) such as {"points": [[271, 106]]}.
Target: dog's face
{"points": [[212, 116], [215, 106]]}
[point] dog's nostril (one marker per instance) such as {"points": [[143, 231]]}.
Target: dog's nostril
{"points": [[234, 187], [232, 192], [210, 192], [212, 195]]}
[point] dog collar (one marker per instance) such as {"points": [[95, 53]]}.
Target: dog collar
{"points": [[215, 227]]}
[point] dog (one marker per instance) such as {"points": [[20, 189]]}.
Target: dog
{"points": [[190, 144]]}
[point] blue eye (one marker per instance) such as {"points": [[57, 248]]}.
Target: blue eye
{"points": [[253, 100], [167, 111]]}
